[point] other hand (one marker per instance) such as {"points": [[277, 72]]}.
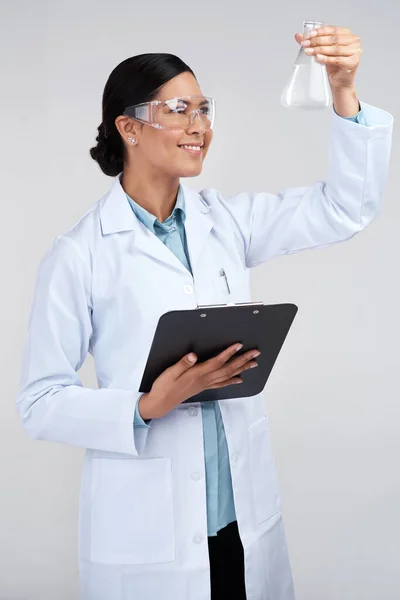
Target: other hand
{"points": [[186, 379]]}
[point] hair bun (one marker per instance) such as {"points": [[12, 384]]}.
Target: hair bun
{"points": [[105, 154]]}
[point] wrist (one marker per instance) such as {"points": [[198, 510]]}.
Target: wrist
{"points": [[145, 407], [345, 101]]}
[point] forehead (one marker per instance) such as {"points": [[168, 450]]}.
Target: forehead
{"points": [[181, 85]]}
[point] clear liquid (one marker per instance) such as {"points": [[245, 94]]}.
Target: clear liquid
{"points": [[307, 87]]}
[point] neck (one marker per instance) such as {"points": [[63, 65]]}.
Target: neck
{"points": [[157, 194]]}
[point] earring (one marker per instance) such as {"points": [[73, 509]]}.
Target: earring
{"points": [[132, 140]]}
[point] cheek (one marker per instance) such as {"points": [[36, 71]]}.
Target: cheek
{"points": [[161, 146], [168, 148], [170, 140], [208, 137]]}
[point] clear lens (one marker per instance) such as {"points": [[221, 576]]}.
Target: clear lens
{"points": [[177, 113]]}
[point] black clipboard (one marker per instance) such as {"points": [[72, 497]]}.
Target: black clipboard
{"points": [[209, 330]]}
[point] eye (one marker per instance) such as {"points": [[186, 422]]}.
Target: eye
{"points": [[205, 109], [175, 106]]}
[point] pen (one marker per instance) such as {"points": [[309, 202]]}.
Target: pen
{"points": [[223, 274]]}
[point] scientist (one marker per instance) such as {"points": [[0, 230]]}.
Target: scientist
{"points": [[180, 501]]}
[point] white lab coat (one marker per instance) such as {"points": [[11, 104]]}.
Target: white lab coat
{"points": [[102, 288]]}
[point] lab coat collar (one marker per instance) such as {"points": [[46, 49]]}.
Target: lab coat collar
{"points": [[150, 220], [116, 214]]}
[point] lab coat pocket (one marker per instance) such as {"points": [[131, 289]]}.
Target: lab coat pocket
{"points": [[132, 518], [263, 475]]}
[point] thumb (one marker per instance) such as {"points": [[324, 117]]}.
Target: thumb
{"points": [[184, 364], [298, 38]]}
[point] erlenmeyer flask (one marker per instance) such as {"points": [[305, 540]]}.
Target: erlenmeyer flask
{"points": [[308, 87]]}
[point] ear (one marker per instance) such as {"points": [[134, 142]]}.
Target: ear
{"points": [[127, 128]]}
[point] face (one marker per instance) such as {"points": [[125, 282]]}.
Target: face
{"points": [[164, 151]]}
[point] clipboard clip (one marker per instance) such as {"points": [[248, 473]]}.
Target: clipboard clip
{"points": [[203, 306]]}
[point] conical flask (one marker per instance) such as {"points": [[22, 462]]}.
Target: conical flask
{"points": [[308, 87]]}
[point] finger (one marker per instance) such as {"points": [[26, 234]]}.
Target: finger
{"points": [[347, 64], [329, 30], [223, 376], [237, 363], [332, 50], [250, 365], [225, 383], [183, 365], [298, 37], [234, 367], [331, 40], [218, 361]]}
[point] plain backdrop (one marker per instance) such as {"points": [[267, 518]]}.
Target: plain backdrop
{"points": [[333, 399]]}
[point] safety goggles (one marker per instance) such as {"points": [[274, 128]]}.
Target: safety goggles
{"points": [[177, 113]]}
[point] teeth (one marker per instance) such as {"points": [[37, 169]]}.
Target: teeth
{"points": [[195, 148]]}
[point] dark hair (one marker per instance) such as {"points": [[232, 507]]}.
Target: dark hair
{"points": [[135, 80]]}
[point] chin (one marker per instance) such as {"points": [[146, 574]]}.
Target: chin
{"points": [[191, 171]]}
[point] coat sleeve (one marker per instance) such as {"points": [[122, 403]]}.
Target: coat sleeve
{"points": [[52, 403], [329, 211]]}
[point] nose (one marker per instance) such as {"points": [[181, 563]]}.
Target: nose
{"points": [[197, 125]]}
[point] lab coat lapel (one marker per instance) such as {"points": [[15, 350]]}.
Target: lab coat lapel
{"points": [[198, 224], [117, 216], [146, 242]]}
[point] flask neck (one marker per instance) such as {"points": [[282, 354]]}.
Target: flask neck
{"points": [[309, 26]]}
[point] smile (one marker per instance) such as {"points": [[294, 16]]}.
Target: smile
{"points": [[192, 149]]}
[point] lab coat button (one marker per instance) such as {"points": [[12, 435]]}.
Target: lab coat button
{"points": [[196, 476], [193, 411], [198, 539], [188, 289]]}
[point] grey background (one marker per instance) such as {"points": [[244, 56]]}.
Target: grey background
{"points": [[333, 399]]}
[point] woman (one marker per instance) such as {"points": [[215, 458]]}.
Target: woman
{"points": [[178, 501]]}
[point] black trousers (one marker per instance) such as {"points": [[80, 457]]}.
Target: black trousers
{"points": [[227, 564]]}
